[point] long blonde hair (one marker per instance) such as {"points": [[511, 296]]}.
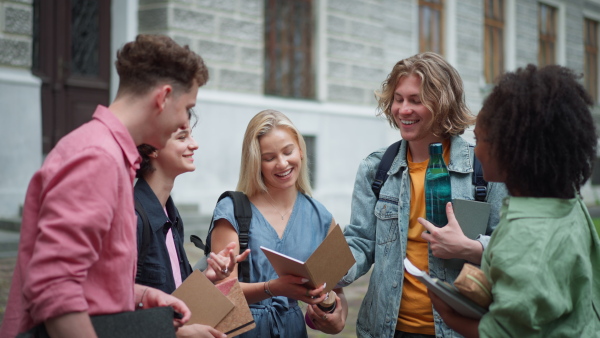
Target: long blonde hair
{"points": [[441, 92], [251, 181]]}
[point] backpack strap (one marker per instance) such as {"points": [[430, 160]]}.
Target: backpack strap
{"points": [[381, 176], [242, 211], [197, 241], [384, 166], [479, 182], [146, 234]]}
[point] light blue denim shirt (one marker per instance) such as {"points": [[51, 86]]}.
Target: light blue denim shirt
{"points": [[378, 230]]}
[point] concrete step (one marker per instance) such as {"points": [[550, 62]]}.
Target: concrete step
{"points": [[9, 237], [10, 224], [195, 224], [188, 208], [9, 243]]}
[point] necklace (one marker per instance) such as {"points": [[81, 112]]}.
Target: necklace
{"points": [[282, 215]]}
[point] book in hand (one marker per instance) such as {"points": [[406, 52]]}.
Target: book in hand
{"points": [[472, 216], [240, 319], [222, 306], [447, 292], [327, 264]]}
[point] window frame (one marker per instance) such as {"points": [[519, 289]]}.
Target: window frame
{"points": [[494, 39], [548, 38], [425, 42], [290, 68]]}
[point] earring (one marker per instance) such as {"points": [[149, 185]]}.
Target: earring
{"points": [[154, 154]]}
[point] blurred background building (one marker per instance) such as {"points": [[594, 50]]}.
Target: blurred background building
{"points": [[318, 61]]}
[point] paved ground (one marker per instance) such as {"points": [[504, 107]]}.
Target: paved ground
{"points": [[354, 293]]}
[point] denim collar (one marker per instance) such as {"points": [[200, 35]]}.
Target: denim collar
{"points": [[461, 160]]}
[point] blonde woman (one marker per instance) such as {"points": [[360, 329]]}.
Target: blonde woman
{"points": [[274, 176]]}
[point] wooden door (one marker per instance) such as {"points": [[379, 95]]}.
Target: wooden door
{"points": [[71, 54]]}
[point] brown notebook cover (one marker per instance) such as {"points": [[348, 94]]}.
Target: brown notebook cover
{"points": [[240, 319], [208, 305], [327, 264]]}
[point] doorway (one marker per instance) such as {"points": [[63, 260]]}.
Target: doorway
{"points": [[71, 55]]}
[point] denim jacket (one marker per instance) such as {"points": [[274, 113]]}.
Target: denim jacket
{"points": [[377, 235]]}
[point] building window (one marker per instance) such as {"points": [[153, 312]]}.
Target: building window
{"points": [[430, 26], [311, 149], [590, 78], [494, 39], [289, 49], [547, 35]]}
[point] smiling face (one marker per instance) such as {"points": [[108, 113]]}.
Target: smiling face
{"points": [[281, 159], [411, 116], [177, 156]]}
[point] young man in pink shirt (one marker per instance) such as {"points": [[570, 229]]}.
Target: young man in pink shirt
{"points": [[77, 254]]}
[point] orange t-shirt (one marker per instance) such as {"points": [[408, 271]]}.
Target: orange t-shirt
{"points": [[416, 314]]}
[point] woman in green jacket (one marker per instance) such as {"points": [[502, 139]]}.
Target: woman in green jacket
{"points": [[536, 134]]}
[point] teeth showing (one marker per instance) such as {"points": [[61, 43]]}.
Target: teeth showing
{"points": [[408, 122], [284, 174]]}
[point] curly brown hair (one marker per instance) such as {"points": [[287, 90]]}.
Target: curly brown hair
{"points": [[142, 63], [441, 92], [540, 130]]}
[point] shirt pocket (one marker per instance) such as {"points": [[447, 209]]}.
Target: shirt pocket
{"points": [[387, 221], [153, 275]]}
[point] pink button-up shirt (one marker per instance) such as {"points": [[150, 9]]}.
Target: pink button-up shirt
{"points": [[78, 235]]}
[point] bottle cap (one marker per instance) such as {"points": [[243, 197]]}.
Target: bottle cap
{"points": [[435, 148], [329, 304]]}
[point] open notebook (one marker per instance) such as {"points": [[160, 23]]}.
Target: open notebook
{"points": [[327, 264]]}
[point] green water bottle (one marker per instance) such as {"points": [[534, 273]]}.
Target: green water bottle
{"points": [[437, 187]]}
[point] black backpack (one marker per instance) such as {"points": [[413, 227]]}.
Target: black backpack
{"points": [[243, 214], [388, 157]]}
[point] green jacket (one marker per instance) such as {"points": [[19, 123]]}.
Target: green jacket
{"points": [[543, 261]]}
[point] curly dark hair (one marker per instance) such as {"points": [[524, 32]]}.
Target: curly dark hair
{"points": [[142, 63], [145, 150], [540, 129]]}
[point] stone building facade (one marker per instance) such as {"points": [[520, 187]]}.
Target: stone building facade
{"points": [[355, 44]]}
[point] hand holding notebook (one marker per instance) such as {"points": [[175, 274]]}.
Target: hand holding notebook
{"points": [[327, 264], [222, 306], [447, 292]]}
